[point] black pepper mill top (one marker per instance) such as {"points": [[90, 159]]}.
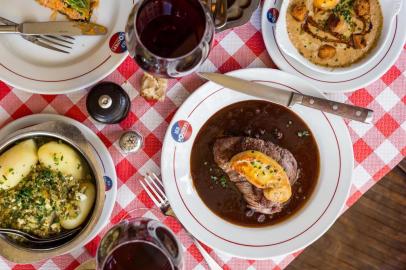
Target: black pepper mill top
{"points": [[108, 103]]}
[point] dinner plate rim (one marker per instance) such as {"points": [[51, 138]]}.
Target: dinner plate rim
{"points": [[86, 77], [386, 58], [168, 141]]}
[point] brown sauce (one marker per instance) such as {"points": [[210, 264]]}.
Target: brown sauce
{"points": [[258, 119]]}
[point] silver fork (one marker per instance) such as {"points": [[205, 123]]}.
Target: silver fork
{"points": [[46, 41], [153, 185]]}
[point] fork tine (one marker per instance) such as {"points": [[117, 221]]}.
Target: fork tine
{"points": [[52, 42], [158, 189], [154, 189], [36, 39], [47, 46], [58, 38], [150, 195], [69, 37], [159, 180]]}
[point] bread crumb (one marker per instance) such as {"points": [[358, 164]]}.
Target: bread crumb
{"points": [[153, 88]]}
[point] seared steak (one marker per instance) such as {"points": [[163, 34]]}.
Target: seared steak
{"points": [[224, 149]]}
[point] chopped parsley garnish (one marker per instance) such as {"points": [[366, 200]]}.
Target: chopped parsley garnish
{"points": [[35, 204], [223, 181], [56, 159], [344, 8]]}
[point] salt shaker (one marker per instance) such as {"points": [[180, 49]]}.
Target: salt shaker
{"points": [[131, 141]]}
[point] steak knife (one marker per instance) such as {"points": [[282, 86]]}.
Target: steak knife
{"points": [[288, 99], [68, 28]]}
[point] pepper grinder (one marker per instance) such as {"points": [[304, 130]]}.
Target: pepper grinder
{"points": [[108, 103]]}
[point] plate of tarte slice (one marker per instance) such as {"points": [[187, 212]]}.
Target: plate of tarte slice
{"points": [[73, 9], [35, 69]]}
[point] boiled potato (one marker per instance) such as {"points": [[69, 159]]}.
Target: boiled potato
{"points": [[85, 205], [16, 163], [61, 157]]}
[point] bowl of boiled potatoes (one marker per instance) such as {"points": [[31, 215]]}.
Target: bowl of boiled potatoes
{"points": [[51, 182]]}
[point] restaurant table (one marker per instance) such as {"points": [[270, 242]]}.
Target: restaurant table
{"points": [[377, 147]]}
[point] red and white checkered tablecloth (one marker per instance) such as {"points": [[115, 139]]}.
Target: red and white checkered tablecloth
{"points": [[377, 148]]}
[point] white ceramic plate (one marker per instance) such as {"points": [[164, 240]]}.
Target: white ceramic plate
{"points": [[38, 70], [343, 82], [321, 210], [390, 8], [98, 146]]}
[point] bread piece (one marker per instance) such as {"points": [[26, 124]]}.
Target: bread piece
{"points": [[326, 51], [299, 12], [153, 88]]}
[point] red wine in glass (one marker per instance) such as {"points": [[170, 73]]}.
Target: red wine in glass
{"points": [[169, 38], [139, 244], [137, 256]]}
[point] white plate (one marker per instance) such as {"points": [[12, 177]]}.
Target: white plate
{"points": [[390, 8], [38, 70], [100, 149], [343, 82], [321, 210]]}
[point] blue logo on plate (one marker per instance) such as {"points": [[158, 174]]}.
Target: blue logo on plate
{"points": [[108, 182], [272, 15], [117, 43], [181, 131]]}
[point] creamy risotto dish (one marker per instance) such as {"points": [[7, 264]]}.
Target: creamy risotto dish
{"points": [[45, 187], [334, 33]]}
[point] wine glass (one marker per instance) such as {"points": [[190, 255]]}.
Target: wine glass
{"points": [[169, 38], [139, 243]]}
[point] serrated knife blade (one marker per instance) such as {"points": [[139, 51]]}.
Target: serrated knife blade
{"points": [[287, 98], [253, 89]]}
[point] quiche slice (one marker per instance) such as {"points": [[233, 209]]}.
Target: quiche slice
{"points": [[73, 9]]}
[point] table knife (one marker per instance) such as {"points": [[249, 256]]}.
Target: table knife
{"points": [[68, 28], [287, 98]]}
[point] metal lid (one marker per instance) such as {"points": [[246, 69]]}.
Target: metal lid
{"points": [[108, 103], [131, 141]]}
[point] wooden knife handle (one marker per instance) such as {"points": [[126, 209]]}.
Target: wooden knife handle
{"points": [[341, 109]]}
